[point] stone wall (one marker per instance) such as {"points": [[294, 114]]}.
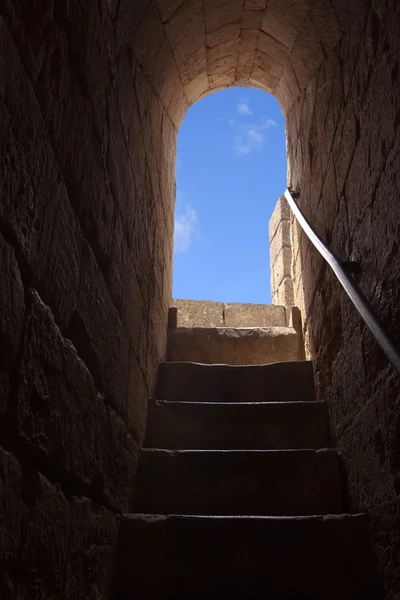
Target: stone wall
{"points": [[92, 95], [204, 313], [86, 218], [343, 151], [281, 255]]}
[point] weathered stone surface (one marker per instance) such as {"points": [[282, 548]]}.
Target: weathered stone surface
{"points": [[193, 313], [281, 239], [12, 306], [281, 555], [234, 346], [281, 213], [91, 551], [79, 222], [199, 313], [346, 177], [254, 315], [278, 382], [12, 508], [223, 426], [61, 420], [285, 292], [279, 482], [281, 267]]}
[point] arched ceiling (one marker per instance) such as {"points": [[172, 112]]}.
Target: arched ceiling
{"points": [[275, 45]]}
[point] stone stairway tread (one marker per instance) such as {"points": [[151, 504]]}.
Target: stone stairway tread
{"points": [[197, 382], [237, 425], [239, 482], [234, 345], [246, 558]]}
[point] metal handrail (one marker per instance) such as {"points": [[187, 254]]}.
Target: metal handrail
{"points": [[369, 316]]}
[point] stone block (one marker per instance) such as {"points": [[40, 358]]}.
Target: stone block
{"points": [[233, 346], [282, 555], [245, 482], [285, 294], [92, 545], [223, 35], [261, 75], [282, 239], [44, 550], [278, 382], [167, 8], [62, 421], [285, 99], [197, 87], [280, 22], [252, 19], [221, 58], [41, 222], [186, 23], [324, 17], [254, 315], [219, 14], [12, 308], [193, 66], [281, 213], [219, 426], [199, 313], [219, 81], [255, 4], [282, 267], [276, 51], [12, 509]]}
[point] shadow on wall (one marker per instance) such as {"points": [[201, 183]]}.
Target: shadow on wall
{"points": [[92, 96]]}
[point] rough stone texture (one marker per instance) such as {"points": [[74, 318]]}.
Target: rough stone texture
{"points": [[53, 545], [223, 426], [254, 315], [12, 307], [343, 151], [91, 97], [227, 486], [234, 346], [244, 482], [280, 239], [279, 382], [86, 220], [239, 557], [200, 313]]}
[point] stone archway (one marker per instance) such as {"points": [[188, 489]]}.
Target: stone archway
{"points": [[200, 46], [92, 95]]}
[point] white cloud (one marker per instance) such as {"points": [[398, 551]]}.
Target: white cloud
{"points": [[186, 222], [243, 108], [251, 137]]}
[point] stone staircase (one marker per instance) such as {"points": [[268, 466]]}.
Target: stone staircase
{"points": [[239, 492], [235, 334]]}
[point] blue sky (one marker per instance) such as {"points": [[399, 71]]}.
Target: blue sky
{"points": [[231, 169]]}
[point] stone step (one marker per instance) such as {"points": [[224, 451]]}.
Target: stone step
{"points": [[222, 482], [234, 346], [198, 558], [237, 426], [279, 382]]}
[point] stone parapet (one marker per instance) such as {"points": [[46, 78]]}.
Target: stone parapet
{"points": [[204, 313]]}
